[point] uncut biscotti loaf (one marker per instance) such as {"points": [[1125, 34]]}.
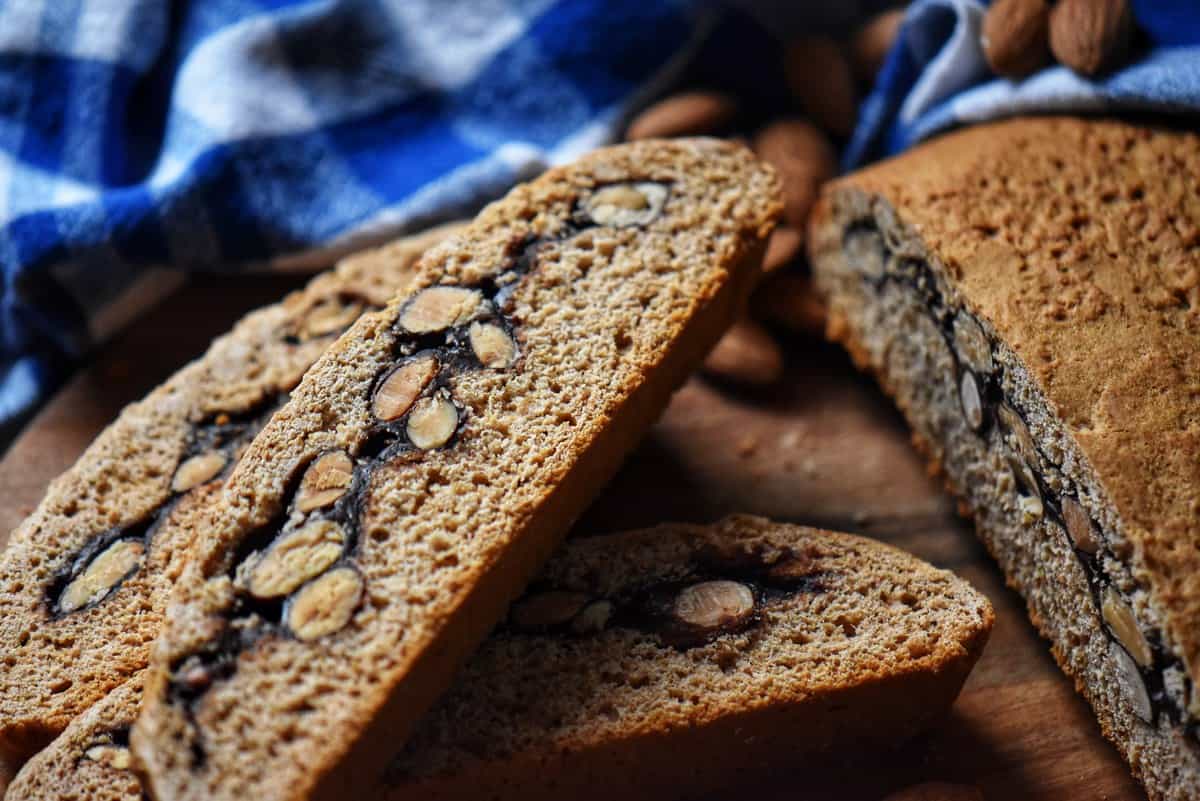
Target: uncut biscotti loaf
{"points": [[476, 416], [1028, 292], [84, 579], [654, 664]]}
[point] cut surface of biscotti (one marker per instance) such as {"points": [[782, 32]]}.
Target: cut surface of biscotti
{"points": [[473, 420], [654, 664], [84, 579], [1029, 293]]}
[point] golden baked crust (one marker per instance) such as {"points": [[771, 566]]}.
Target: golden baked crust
{"points": [[1080, 242], [593, 670], [602, 284], [1075, 246], [134, 485]]}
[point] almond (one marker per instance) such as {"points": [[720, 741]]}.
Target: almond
{"points": [[804, 159], [870, 44], [791, 301], [1090, 36], [684, 114], [1015, 37], [819, 77], [782, 248], [747, 354]]}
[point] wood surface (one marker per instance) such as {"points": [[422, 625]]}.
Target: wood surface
{"points": [[823, 448]]}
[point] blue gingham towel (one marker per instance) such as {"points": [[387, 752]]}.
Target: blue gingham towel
{"points": [[936, 77], [212, 134]]}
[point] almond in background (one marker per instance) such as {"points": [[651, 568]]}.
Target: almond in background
{"points": [[1015, 37], [870, 44], [804, 159], [819, 77], [747, 354], [683, 114], [1090, 36]]}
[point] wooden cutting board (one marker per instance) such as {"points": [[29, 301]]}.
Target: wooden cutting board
{"points": [[823, 448]]}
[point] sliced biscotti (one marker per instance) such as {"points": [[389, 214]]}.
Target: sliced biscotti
{"points": [[476, 417], [84, 579], [654, 664], [1029, 292], [674, 660]]}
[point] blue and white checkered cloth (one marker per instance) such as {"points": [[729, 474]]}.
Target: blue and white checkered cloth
{"points": [[139, 135], [936, 77], [216, 134]]}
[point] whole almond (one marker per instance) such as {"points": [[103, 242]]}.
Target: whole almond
{"points": [[1090, 36], [870, 44], [820, 79], [791, 301], [684, 114], [782, 248], [1015, 37], [747, 354], [804, 159]]}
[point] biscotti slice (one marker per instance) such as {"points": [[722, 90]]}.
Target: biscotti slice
{"points": [[84, 579], [477, 416], [1029, 293], [654, 664]]}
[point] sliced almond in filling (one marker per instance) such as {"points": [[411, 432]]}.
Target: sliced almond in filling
{"points": [[1080, 526], [326, 480], [402, 386], [197, 470], [492, 345], [550, 608], [626, 204], [440, 307], [114, 756], [1129, 678], [432, 422], [714, 604], [1014, 425], [592, 618], [325, 604], [116, 562], [331, 315], [968, 390], [1124, 627], [972, 344], [295, 558]]}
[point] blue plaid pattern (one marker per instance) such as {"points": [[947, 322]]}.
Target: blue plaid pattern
{"points": [[936, 77], [217, 134]]}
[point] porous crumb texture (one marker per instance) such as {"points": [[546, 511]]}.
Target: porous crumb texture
{"points": [[1028, 293], [472, 422], [841, 641], [84, 579], [90, 759], [803, 640]]}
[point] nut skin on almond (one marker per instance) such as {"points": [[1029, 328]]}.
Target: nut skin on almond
{"points": [[714, 604], [1090, 36], [804, 159], [747, 354], [870, 44], [782, 248], [326, 480], [1016, 37], [401, 387], [820, 80], [683, 114]]}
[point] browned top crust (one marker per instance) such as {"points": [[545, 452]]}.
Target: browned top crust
{"points": [[473, 419], [1080, 242]]}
